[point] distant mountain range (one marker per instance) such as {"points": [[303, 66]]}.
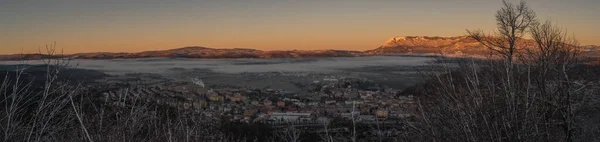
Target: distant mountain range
{"points": [[194, 52], [457, 46], [427, 45], [451, 46]]}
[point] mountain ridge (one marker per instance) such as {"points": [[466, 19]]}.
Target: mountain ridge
{"points": [[450, 46], [193, 52], [453, 46]]}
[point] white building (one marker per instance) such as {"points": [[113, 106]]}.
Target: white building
{"points": [[289, 116], [350, 115]]}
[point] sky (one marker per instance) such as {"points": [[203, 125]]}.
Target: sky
{"points": [[140, 25]]}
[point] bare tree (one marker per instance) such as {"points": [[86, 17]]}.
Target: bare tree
{"points": [[552, 60], [513, 22], [36, 110], [536, 98], [327, 136], [290, 134]]}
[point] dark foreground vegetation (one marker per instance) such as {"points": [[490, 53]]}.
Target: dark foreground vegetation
{"points": [[477, 102], [43, 103], [465, 100], [540, 92]]}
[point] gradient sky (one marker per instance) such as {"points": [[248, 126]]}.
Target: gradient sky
{"points": [[139, 25]]}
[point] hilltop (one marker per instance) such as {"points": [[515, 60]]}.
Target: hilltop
{"points": [[451, 46], [426, 44]]}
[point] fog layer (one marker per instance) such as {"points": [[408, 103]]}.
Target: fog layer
{"points": [[162, 65]]}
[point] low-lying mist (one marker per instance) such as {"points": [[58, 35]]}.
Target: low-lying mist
{"points": [[162, 65]]}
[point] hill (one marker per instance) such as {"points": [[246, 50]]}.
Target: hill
{"points": [[460, 45], [448, 46], [194, 52], [451, 46]]}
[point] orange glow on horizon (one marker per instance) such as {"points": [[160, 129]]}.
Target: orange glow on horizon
{"points": [[126, 26]]}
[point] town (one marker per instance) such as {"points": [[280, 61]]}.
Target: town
{"points": [[320, 101]]}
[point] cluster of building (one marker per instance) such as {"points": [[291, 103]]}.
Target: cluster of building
{"points": [[321, 100]]}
